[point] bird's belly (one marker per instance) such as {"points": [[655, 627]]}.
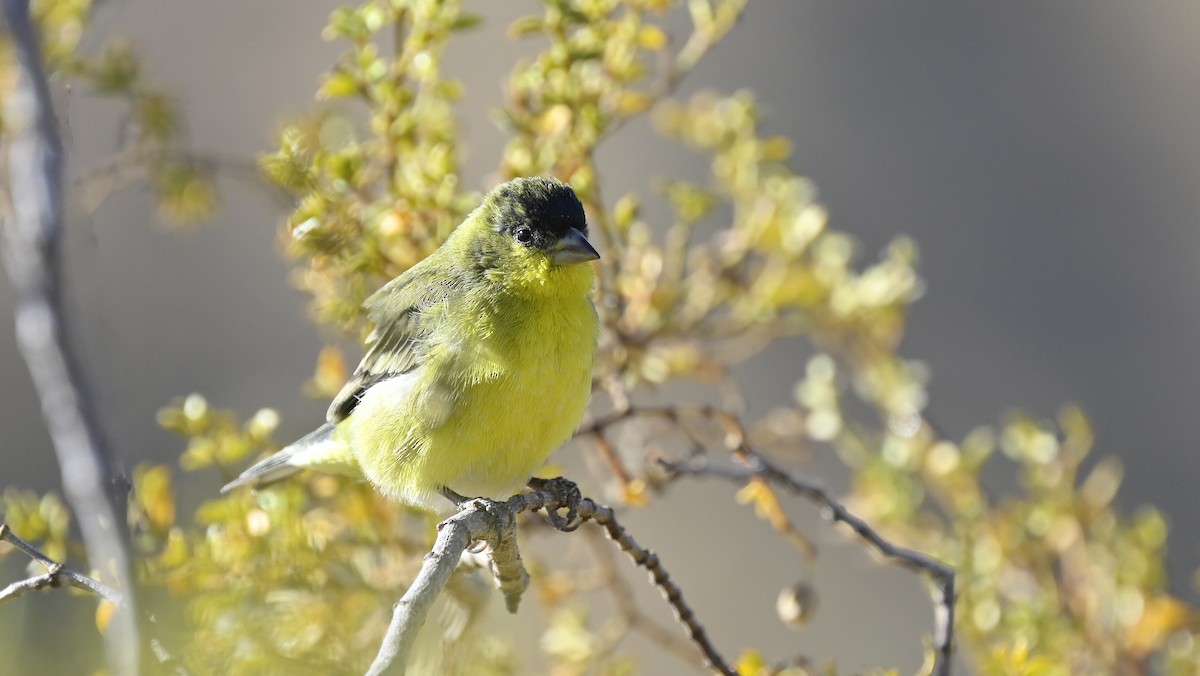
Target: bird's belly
{"points": [[504, 429], [479, 424]]}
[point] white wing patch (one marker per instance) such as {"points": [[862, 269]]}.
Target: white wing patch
{"points": [[410, 397]]}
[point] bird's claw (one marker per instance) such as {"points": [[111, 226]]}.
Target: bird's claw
{"points": [[566, 495], [459, 501]]}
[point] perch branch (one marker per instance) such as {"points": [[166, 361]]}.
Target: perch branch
{"points": [[495, 524], [485, 520], [55, 576], [92, 481]]}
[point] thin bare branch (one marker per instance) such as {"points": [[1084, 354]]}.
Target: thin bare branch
{"points": [[612, 459], [606, 519], [628, 612], [22, 587], [940, 574], [492, 522], [495, 523], [92, 480], [736, 441], [55, 576]]}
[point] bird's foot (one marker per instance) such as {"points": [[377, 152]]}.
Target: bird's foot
{"points": [[459, 501], [462, 503], [566, 496]]}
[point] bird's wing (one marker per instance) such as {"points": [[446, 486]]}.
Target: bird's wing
{"points": [[398, 344]]}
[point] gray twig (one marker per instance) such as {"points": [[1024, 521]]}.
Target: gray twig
{"points": [[55, 576], [629, 614], [606, 519], [92, 480], [939, 573], [495, 523], [755, 465], [492, 522]]}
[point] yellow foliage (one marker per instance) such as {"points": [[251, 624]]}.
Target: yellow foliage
{"points": [[300, 577], [759, 493], [104, 613], [155, 495]]}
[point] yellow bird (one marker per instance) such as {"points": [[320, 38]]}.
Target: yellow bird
{"points": [[480, 362]]}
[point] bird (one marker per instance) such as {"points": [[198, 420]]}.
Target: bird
{"points": [[479, 364]]}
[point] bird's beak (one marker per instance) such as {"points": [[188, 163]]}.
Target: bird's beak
{"points": [[573, 248]]}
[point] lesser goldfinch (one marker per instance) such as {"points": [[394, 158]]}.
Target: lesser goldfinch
{"points": [[480, 362]]}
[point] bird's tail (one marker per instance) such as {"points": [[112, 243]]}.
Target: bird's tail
{"points": [[314, 450]]}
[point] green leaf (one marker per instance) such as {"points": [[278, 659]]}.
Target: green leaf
{"points": [[464, 22], [338, 85]]}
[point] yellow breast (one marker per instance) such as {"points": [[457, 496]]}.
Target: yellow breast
{"points": [[499, 393]]}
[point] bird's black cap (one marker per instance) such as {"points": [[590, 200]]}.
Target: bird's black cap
{"points": [[546, 206]]}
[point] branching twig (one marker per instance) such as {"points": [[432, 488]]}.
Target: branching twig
{"points": [[939, 573], [756, 466], [55, 576], [92, 481], [494, 523]]}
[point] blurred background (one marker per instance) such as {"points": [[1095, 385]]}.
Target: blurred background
{"points": [[1044, 156]]}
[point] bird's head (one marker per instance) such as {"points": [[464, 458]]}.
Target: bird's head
{"points": [[531, 234]]}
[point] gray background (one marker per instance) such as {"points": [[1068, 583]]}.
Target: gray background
{"points": [[1044, 156]]}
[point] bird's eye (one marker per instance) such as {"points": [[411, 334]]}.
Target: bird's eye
{"points": [[524, 236]]}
